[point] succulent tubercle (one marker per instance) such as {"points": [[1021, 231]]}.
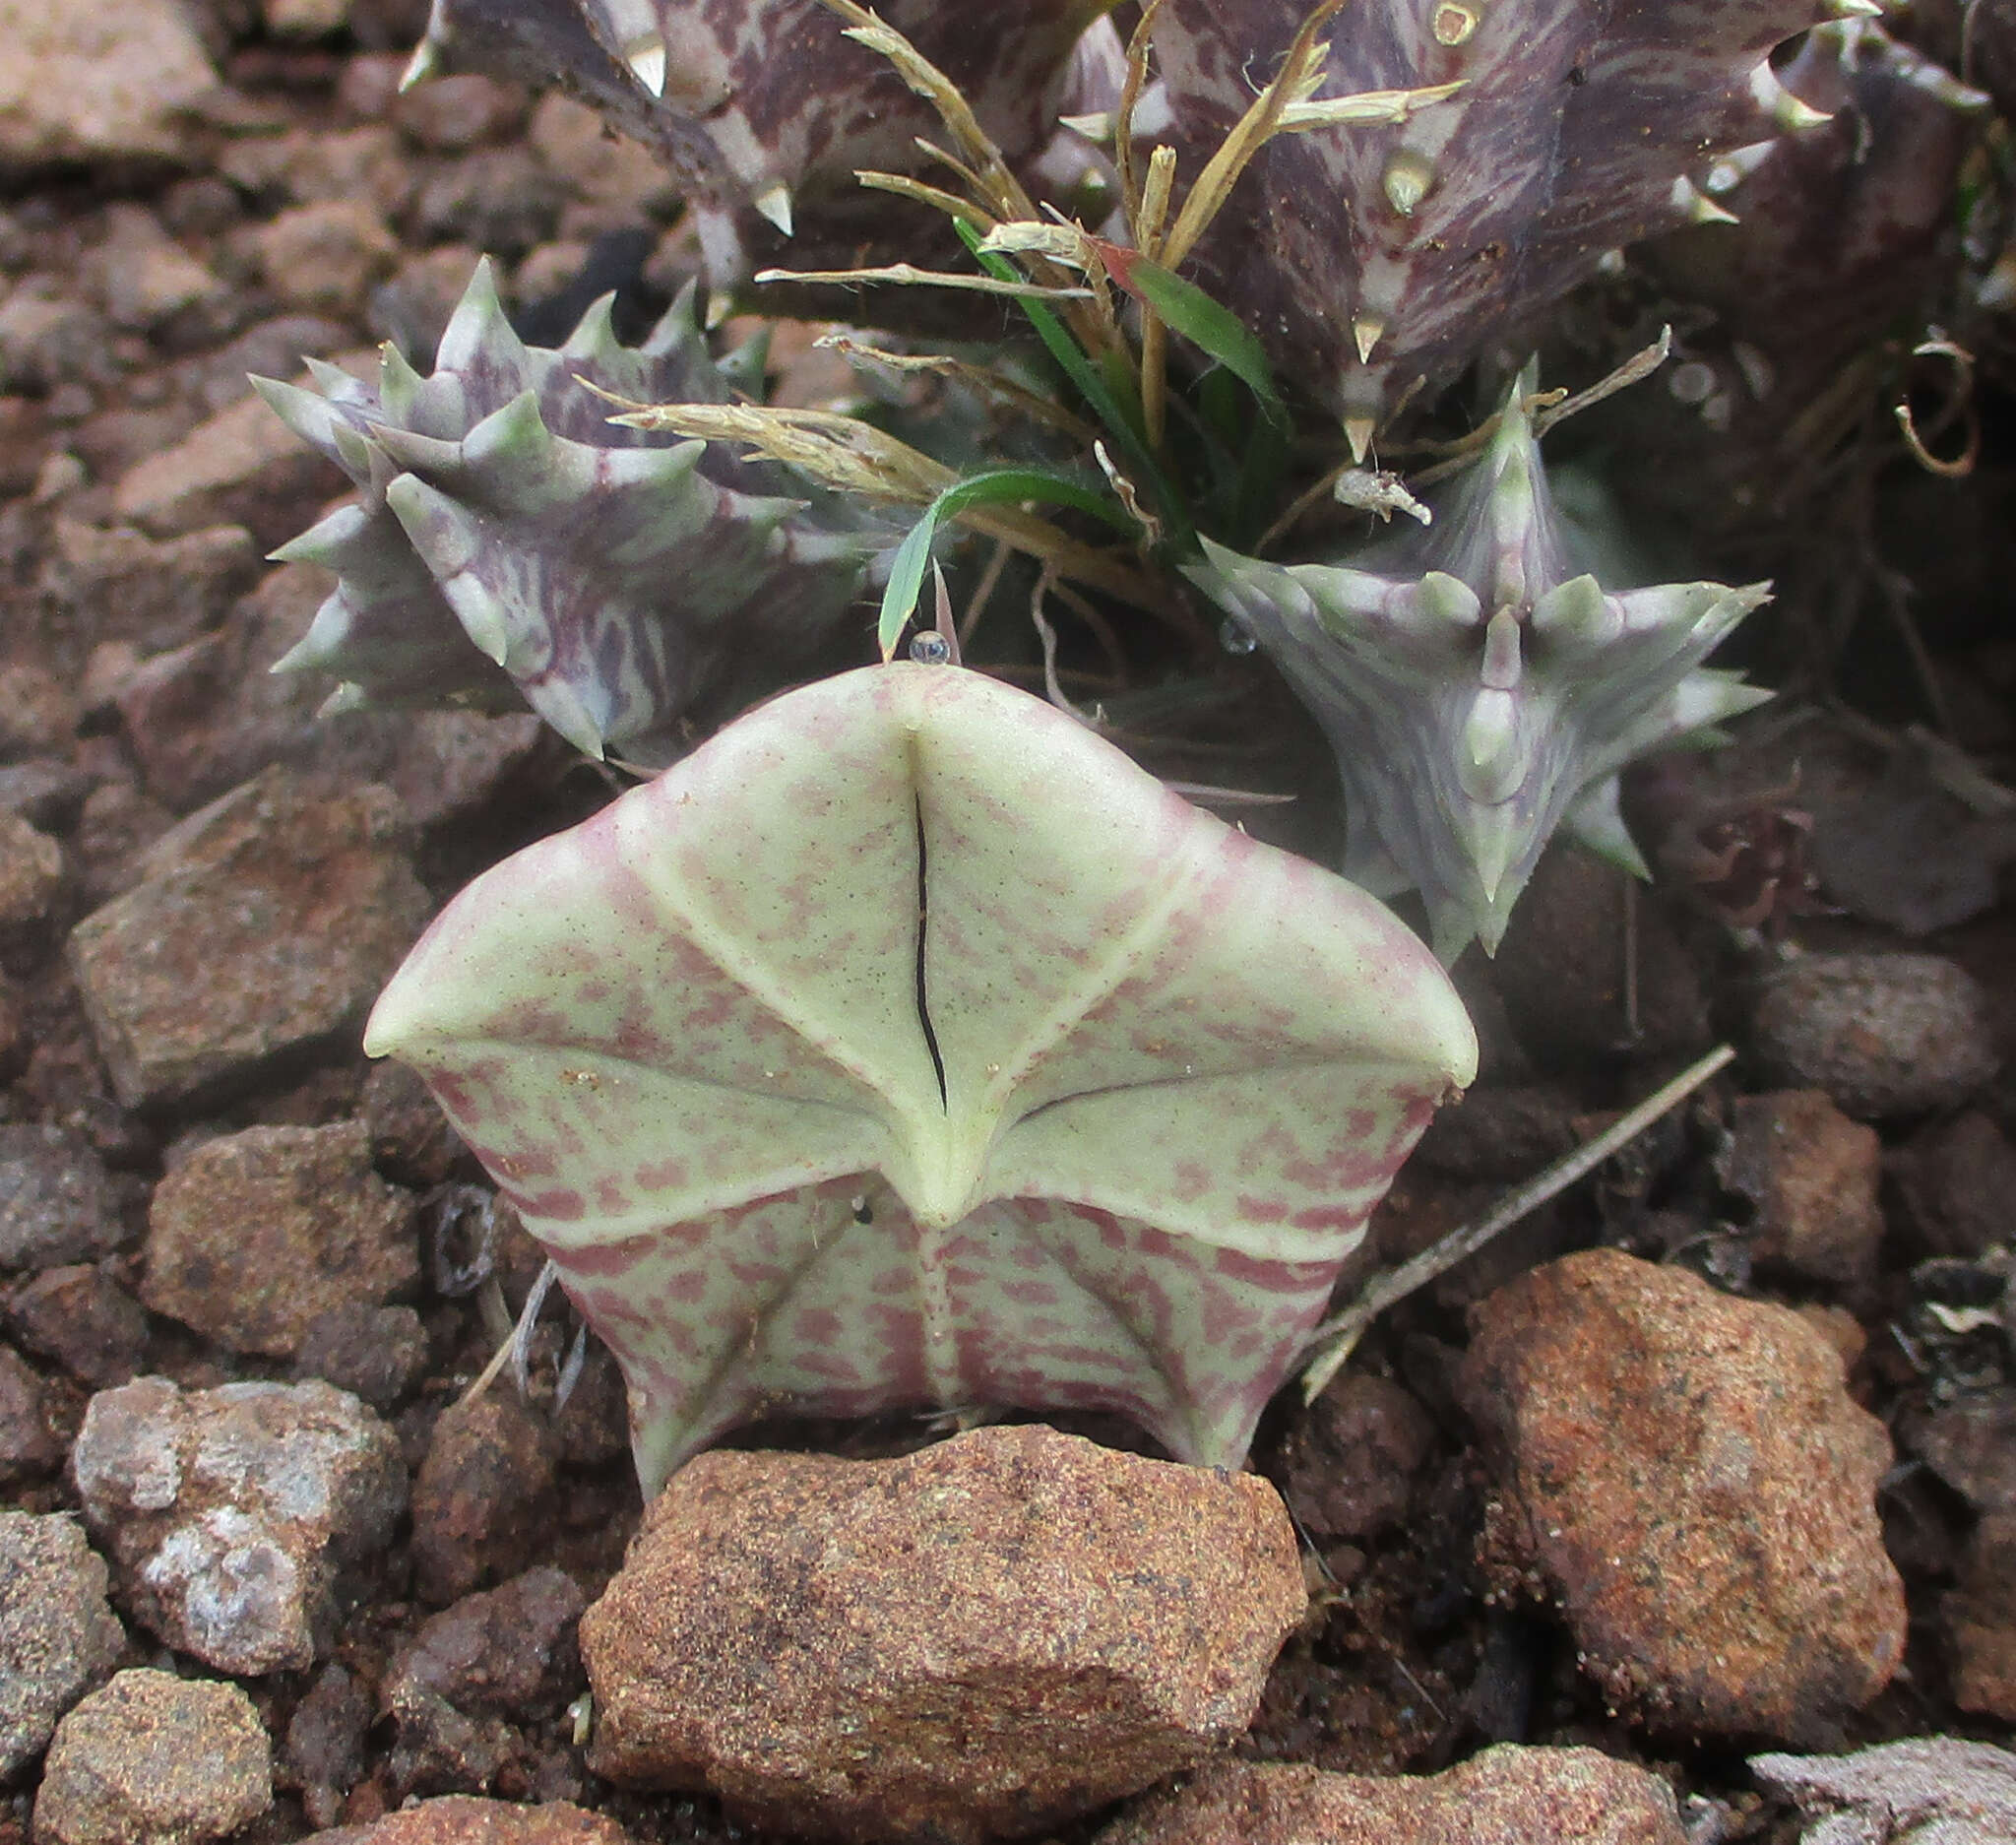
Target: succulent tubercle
{"points": [[508, 542], [1481, 687], [1376, 259], [906, 1045]]}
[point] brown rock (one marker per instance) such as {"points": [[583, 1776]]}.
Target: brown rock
{"points": [[461, 111], [303, 165], [510, 1652], [1688, 1477], [458, 1820], [242, 466], [113, 832], [1885, 1035], [1507, 1796], [1351, 1458], [56, 1202], [88, 83], [377, 1353], [482, 1500], [1957, 1180], [324, 258], [153, 1759], [257, 1234], [325, 1740], [31, 878], [1981, 1621], [983, 1640], [263, 928], [146, 280], [137, 589], [81, 1318], [1970, 1444], [58, 1636], [1561, 969], [1811, 1175], [237, 1515], [26, 1445], [36, 710]]}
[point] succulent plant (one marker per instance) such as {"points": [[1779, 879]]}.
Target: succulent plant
{"points": [[508, 540], [907, 1044], [1376, 259], [1479, 685], [763, 109], [1848, 237]]}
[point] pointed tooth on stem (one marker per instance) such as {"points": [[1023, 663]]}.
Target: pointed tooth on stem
{"points": [[1736, 165], [1358, 431], [1785, 109], [1406, 182], [1453, 23], [646, 57], [775, 202], [425, 62], [1696, 206], [1366, 332]]}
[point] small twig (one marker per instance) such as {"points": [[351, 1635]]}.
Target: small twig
{"points": [[909, 276], [984, 591], [1332, 1342], [1047, 636], [1641, 364]]}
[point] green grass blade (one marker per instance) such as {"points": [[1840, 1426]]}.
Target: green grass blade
{"points": [[912, 556]]}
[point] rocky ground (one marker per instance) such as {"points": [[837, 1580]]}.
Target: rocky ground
{"points": [[1715, 1455]]}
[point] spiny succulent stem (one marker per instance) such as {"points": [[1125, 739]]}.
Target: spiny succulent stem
{"points": [[1298, 73]]}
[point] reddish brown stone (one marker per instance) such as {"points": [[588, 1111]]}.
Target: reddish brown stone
{"points": [[484, 1498], [458, 1820], [980, 1640], [1981, 1621], [1507, 1796], [257, 1234], [1811, 1173], [1687, 1475], [264, 925]]}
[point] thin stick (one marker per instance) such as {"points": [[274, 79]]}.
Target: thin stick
{"points": [[1334, 1341]]}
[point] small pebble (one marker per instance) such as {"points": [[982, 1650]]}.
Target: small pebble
{"points": [[58, 1636], [1887, 1036], [153, 1759], [1689, 1475], [483, 1498]]}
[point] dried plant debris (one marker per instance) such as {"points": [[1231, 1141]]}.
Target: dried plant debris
{"points": [[1481, 687], [509, 542], [1373, 259], [1928, 1791]]}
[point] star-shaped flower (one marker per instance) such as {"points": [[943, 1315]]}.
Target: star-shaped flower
{"points": [[1479, 686], [908, 1043]]}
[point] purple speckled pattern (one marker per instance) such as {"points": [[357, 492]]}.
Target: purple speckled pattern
{"points": [[1582, 125], [1178, 1069], [1481, 687], [509, 542], [767, 99]]}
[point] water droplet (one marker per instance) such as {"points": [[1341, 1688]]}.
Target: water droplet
{"points": [[1235, 637], [931, 648]]}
